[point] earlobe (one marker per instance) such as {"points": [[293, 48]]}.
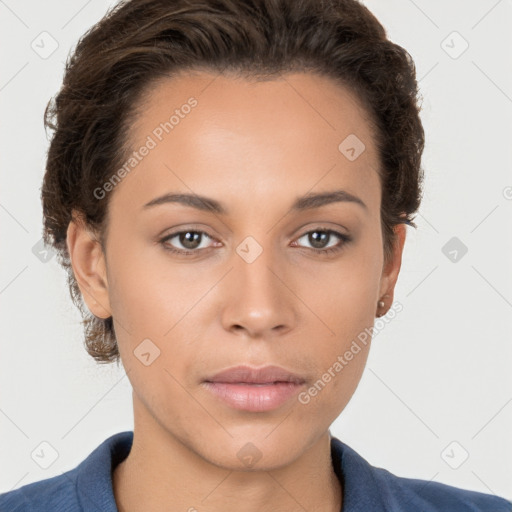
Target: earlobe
{"points": [[88, 263]]}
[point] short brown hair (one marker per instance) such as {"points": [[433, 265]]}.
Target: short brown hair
{"points": [[139, 41]]}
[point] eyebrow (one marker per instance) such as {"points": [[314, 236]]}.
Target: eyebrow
{"points": [[307, 202]]}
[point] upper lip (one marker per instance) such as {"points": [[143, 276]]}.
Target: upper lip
{"points": [[264, 375]]}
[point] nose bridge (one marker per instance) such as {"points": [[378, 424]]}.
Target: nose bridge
{"points": [[260, 302], [256, 280]]}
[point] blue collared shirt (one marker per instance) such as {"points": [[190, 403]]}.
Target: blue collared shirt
{"points": [[88, 487]]}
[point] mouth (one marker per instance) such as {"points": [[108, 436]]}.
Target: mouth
{"points": [[248, 375], [254, 389]]}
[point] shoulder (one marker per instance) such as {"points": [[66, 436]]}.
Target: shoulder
{"points": [[366, 487], [56, 493], [86, 487], [429, 496]]}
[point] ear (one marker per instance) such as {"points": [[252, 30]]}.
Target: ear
{"points": [[88, 263], [391, 268]]}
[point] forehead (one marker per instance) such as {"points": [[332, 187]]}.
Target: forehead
{"points": [[284, 103], [222, 135]]}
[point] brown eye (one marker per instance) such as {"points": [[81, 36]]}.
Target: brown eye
{"points": [[319, 239], [190, 239], [186, 242]]}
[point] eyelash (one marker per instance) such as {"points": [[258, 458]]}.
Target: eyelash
{"points": [[345, 239]]}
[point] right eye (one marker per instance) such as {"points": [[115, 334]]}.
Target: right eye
{"points": [[190, 241]]}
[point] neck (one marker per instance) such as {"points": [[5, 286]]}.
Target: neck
{"points": [[162, 473]]}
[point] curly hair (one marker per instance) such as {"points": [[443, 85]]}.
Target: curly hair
{"points": [[138, 42]]}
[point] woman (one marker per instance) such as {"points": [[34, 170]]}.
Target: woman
{"points": [[228, 186]]}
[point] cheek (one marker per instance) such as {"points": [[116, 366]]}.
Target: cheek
{"points": [[341, 295], [343, 298], [343, 290], [340, 362], [148, 294], [157, 311]]}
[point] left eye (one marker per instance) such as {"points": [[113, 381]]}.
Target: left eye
{"points": [[319, 239]]}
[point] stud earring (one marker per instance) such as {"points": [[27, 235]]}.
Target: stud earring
{"points": [[381, 304]]}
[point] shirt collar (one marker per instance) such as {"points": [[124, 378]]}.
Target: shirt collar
{"points": [[360, 489], [94, 479]]}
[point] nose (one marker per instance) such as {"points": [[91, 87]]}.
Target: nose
{"points": [[261, 303]]}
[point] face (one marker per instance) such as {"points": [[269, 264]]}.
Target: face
{"points": [[256, 274]]}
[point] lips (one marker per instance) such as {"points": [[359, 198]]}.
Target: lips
{"points": [[254, 389], [248, 375]]}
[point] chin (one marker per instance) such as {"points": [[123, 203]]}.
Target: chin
{"points": [[254, 448]]}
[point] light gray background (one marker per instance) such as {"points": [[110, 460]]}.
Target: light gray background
{"points": [[437, 373]]}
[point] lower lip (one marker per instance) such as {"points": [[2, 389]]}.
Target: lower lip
{"points": [[254, 397]]}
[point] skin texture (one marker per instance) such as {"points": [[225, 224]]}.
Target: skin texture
{"points": [[254, 147]]}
